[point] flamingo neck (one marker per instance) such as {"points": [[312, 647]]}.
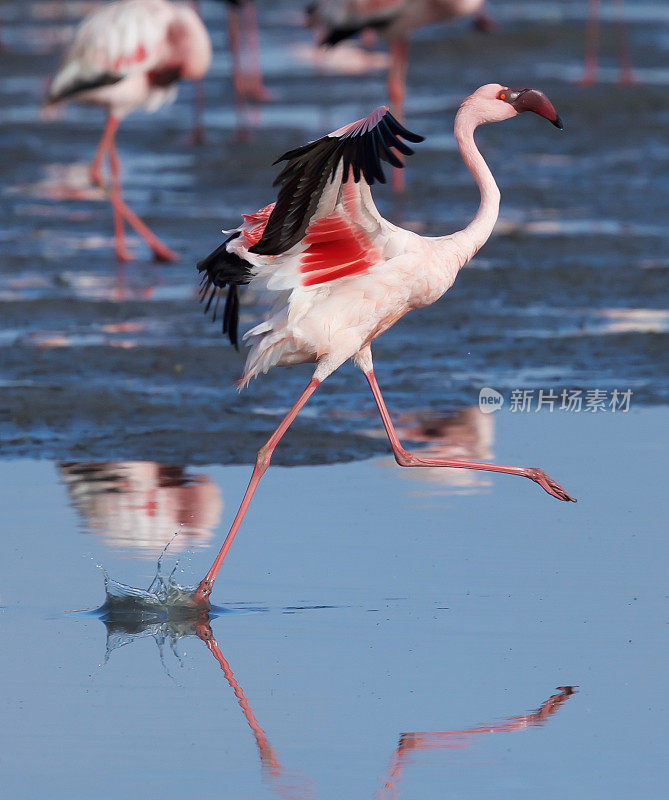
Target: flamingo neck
{"points": [[472, 238]]}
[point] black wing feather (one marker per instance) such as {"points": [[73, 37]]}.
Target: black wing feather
{"points": [[78, 86], [308, 168], [221, 269]]}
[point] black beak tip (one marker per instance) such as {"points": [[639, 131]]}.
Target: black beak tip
{"points": [[558, 123]]}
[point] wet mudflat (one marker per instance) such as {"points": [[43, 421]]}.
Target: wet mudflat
{"points": [[360, 602], [101, 361]]}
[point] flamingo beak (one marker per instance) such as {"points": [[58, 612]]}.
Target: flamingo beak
{"points": [[534, 100]]}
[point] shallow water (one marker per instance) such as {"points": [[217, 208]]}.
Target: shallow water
{"points": [[382, 603], [377, 632]]}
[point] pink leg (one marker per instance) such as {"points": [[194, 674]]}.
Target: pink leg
{"points": [[235, 49], [591, 44], [399, 59], [197, 135], [160, 251], [406, 459], [122, 253], [255, 88], [262, 462], [95, 170], [268, 755], [622, 42]]}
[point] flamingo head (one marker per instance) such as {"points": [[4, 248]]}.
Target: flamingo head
{"points": [[495, 103], [531, 100]]}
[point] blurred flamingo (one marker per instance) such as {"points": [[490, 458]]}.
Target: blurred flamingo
{"points": [[245, 49], [341, 274], [592, 43], [124, 56], [395, 19], [140, 504]]}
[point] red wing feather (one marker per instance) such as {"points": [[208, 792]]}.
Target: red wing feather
{"points": [[335, 250]]}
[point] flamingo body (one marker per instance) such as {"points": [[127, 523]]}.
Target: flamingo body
{"points": [[131, 54], [128, 55], [340, 275], [344, 18]]}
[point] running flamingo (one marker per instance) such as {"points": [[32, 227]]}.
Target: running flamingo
{"points": [[124, 56], [592, 44], [396, 19], [342, 275]]}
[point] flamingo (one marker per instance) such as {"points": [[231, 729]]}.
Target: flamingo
{"points": [[341, 275], [127, 55], [396, 19], [245, 48], [592, 44], [244, 44]]}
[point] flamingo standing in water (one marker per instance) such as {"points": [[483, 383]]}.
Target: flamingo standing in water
{"points": [[247, 79], [592, 44], [396, 19], [128, 55], [341, 275]]}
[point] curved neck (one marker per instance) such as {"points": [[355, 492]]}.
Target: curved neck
{"points": [[476, 234]]}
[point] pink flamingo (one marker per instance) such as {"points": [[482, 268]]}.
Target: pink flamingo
{"points": [[245, 48], [341, 274], [592, 44], [396, 19], [244, 42], [124, 56]]}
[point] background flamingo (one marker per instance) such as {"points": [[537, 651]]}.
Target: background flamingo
{"points": [[592, 43], [124, 56], [396, 19], [244, 44], [341, 274]]}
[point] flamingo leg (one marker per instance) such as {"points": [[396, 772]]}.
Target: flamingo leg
{"points": [[262, 463], [255, 89], [197, 135], [591, 44], [406, 459], [399, 59], [234, 39], [95, 170], [122, 253], [268, 755], [622, 44], [122, 212]]}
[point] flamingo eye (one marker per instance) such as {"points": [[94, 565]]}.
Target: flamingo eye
{"points": [[502, 96]]}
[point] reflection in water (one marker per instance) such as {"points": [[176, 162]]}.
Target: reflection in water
{"points": [[411, 743], [142, 504], [465, 435], [166, 612]]}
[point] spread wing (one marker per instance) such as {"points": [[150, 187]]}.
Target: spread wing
{"points": [[356, 149]]}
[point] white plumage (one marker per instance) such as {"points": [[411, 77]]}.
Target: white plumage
{"points": [[340, 275], [128, 55]]}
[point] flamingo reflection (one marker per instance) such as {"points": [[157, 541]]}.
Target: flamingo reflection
{"points": [[142, 504], [125, 627], [467, 435], [447, 740]]}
